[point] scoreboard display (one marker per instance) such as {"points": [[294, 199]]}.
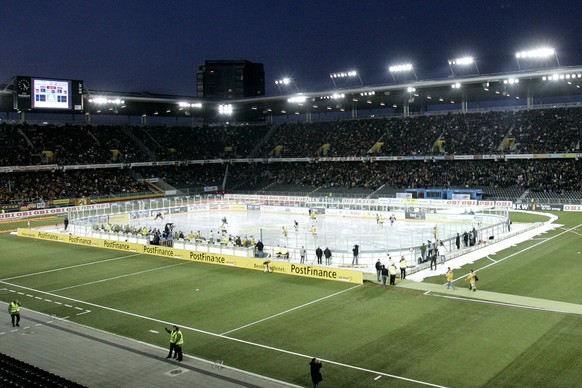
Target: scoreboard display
{"points": [[48, 94]]}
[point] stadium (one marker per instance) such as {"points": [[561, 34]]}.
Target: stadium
{"points": [[124, 214]]}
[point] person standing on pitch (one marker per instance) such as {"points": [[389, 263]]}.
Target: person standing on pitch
{"points": [[315, 366], [441, 250], [378, 269], [179, 343], [14, 310], [302, 254], [450, 276], [172, 341], [472, 279], [356, 252], [327, 254], [393, 272], [433, 259], [384, 275], [403, 265], [318, 254]]}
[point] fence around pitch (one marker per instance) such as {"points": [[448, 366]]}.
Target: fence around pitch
{"points": [[93, 222]]}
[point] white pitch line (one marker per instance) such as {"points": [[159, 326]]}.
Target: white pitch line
{"points": [[293, 309], [495, 261], [118, 277], [50, 301], [306, 356], [71, 266]]}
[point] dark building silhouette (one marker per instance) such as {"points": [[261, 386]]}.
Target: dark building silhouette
{"points": [[230, 79]]}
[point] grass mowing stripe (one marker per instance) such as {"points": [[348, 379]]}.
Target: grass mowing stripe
{"points": [[523, 250], [71, 266], [496, 297], [521, 306], [227, 337], [118, 277], [289, 310]]}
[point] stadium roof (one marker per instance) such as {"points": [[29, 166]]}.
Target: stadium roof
{"points": [[523, 88]]}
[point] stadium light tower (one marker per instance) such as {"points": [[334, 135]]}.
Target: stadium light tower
{"points": [[462, 62], [536, 54], [345, 74], [403, 68], [284, 83]]}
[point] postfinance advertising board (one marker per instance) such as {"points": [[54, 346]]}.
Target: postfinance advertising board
{"points": [[287, 268]]}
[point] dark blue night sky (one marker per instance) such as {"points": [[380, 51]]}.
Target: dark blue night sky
{"points": [[157, 46]]}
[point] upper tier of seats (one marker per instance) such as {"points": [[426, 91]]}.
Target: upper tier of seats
{"points": [[556, 130]]}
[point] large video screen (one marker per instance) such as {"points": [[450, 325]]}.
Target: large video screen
{"points": [[51, 94]]}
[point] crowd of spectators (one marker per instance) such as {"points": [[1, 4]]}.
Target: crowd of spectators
{"points": [[192, 175], [199, 143], [552, 130], [555, 130], [558, 176], [33, 187]]}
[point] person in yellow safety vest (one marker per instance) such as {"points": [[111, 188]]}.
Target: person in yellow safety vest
{"points": [[403, 265], [450, 277], [172, 341], [14, 310], [472, 278], [393, 272], [179, 343]]}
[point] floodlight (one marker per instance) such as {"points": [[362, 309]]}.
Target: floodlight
{"points": [[511, 81], [103, 100], [543, 52], [400, 68], [403, 68], [345, 74], [539, 53], [463, 61], [297, 99], [225, 109], [285, 82]]}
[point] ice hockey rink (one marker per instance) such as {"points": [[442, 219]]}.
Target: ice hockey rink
{"points": [[339, 233]]}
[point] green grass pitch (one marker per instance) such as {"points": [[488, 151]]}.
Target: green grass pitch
{"points": [[272, 324]]}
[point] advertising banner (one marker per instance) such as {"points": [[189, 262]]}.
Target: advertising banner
{"points": [[283, 267]]}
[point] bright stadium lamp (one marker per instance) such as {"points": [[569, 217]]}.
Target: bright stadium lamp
{"points": [[345, 75], [536, 54], [284, 83], [402, 68], [297, 99], [462, 62], [225, 109]]}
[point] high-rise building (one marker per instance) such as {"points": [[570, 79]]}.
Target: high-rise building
{"points": [[229, 79]]}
